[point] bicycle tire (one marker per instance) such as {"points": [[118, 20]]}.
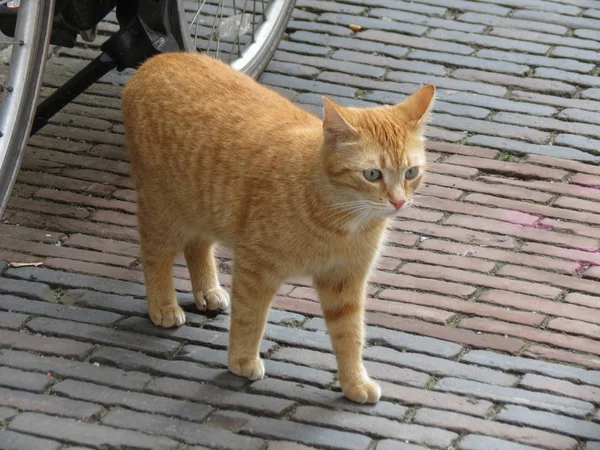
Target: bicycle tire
{"points": [[21, 88], [257, 55]]}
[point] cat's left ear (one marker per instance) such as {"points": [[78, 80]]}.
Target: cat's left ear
{"points": [[419, 105], [336, 128]]}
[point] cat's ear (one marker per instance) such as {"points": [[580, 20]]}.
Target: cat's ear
{"points": [[336, 129], [419, 105]]}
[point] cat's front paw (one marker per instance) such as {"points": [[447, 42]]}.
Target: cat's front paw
{"points": [[367, 392], [253, 369], [216, 299], [167, 316]]}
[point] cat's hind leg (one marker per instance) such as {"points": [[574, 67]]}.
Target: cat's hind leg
{"points": [[157, 261], [208, 294]]}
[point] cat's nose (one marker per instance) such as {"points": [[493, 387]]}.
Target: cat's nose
{"points": [[398, 203]]}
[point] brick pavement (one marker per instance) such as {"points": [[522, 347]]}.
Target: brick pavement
{"points": [[484, 310]]}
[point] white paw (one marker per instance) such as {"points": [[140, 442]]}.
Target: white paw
{"points": [[167, 316], [253, 369], [213, 300]]}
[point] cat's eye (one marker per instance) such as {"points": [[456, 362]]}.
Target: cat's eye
{"points": [[411, 173], [372, 174]]}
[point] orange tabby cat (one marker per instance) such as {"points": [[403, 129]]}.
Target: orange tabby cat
{"points": [[216, 157]]}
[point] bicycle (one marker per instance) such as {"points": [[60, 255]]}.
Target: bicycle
{"points": [[243, 33]]}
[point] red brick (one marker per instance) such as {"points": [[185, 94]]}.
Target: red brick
{"points": [[128, 220], [18, 257], [592, 272], [408, 310], [404, 239], [542, 210], [561, 387], [515, 217], [551, 278], [531, 334], [574, 327], [100, 177], [585, 300], [63, 252], [507, 168], [558, 188], [48, 208], [72, 225], [417, 213], [541, 306], [125, 194], [77, 160], [473, 253], [388, 264], [410, 395], [60, 182], [469, 424], [464, 277], [457, 234], [87, 200], [576, 228], [461, 262], [101, 244], [574, 166], [461, 149], [437, 191], [44, 344], [443, 134], [531, 234], [554, 354], [297, 305], [29, 234], [449, 169], [462, 306], [422, 284], [477, 186], [466, 337], [581, 257], [578, 204], [309, 293], [586, 180]]}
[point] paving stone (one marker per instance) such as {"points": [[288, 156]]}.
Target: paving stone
{"points": [[407, 41], [278, 429], [555, 74], [523, 365], [27, 289], [566, 388], [532, 84], [44, 344], [488, 41], [50, 404], [9, 440], [73, 280], [7, 413], [578, 141], [536, 60], [550, 421], [128, 360], [385, 61], [330, 64], [74, 369], [188, 432], [12, 321], [411, 27], [403, 16], [349, 43], [477, 442], [134, 400], [583, 55], [493, 428], [217, 397], [498, 21], [103, 335], [439, 366], [374, 426], [99, 300], [11, 303], [87, 433], [388, 444], [27, 381], [518, 396], [469, 61], [558, 19]]}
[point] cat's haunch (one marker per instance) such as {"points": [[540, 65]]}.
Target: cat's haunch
{"points": [[216, 157]]}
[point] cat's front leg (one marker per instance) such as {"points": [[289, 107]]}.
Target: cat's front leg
{"points": [[251, 296], [342, 295]]}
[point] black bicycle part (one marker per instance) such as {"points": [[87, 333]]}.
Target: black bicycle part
{"points": [[148, 27]]}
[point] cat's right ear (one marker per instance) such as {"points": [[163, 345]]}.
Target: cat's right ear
{"points": [[336, 129]]}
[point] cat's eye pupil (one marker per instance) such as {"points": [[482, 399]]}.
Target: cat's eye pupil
{"points": [[412, 172], [372, 174]]}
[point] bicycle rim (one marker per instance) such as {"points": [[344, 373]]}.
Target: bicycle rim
{"points": [[20, 84], [242, 33]]}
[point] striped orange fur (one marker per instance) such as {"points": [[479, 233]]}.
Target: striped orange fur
{"points": [[216, 157]]}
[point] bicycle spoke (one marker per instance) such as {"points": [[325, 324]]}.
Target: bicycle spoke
{"points": [[219, 32]]}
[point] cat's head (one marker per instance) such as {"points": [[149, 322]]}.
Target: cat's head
{"points": [[375, 157]]}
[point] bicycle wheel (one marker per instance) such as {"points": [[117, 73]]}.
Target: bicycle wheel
{"points": [[242, 33], [20, 85]]}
